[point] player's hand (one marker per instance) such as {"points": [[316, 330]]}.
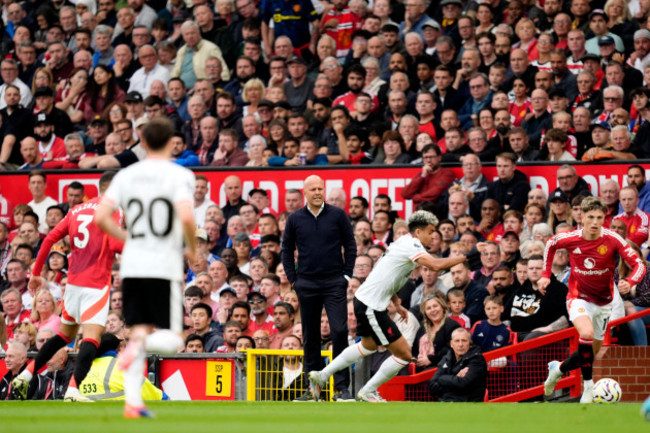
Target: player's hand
{"points": [[624, 287], [403, 313], [34, 283], [463, 372], [542, 284]]}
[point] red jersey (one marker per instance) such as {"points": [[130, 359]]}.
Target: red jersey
{"points": [[348, 99], [592, 264], [56, 151], [91, 259], [348, 23], [637, 225]]}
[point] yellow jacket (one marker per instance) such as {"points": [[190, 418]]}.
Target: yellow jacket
{"points": [[204, 50], [106, 382]]}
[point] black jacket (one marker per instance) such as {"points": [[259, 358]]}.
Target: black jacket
{"points": [[318, 241], [513, 193], [447, 386], [581, 188], [41, 387], [441, 341]]}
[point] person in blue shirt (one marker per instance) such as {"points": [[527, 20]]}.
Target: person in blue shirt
{"points": [[491, 334], [181, 155]]}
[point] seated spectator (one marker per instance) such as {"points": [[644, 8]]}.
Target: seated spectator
{"points": [[201, 320], [115, 324], [25, 333], [462, 372], [45, 313], [231, 332], [12, 306], [437, 327], [556, 143], [75, 153], [283, 321], [492, 333], [194, 344], [227, 153], [456, 301], [15, 361], [287, 380], [102, 90], [534, 312], [393, 149]]}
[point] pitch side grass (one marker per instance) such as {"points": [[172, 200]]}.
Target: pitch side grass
{"points": [[280, 417]]}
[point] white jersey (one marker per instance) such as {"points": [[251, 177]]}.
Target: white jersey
{"points": [[147, 192], [391, 272]]}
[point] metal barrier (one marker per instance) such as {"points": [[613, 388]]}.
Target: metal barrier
{"points": [[268, 376]]}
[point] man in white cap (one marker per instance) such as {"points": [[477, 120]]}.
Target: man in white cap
{"points": [[641, 53]]}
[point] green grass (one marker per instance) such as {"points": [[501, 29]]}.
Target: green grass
{"points": [[236, 417]]}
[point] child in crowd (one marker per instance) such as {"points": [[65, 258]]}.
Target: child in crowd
{"points": [[491, 334], [456, 300]]}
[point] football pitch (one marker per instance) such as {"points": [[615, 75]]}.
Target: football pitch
{"points": [[280, 417]]}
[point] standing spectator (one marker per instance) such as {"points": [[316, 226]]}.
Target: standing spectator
{"points": [[40, 202], [191, 57], [291, 20], [300, 87], [634, 218], [511, 188], [320, 281]]}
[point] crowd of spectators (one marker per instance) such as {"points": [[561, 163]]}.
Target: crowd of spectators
{"points": [[311, 82], [246, 84]]}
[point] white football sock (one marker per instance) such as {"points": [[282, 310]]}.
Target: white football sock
{"points": [[389, 368], [133, 380], [346, 358]]}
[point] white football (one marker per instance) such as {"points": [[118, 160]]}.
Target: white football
{"points": [[164, 342], [607, 391]]}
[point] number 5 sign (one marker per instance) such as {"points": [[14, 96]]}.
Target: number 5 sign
{"points": [[219, 377]]}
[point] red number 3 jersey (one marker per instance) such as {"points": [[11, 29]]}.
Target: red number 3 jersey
{"points": [[92, 251], [593, 263]]}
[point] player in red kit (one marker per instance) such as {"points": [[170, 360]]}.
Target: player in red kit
{"points": [[593, 251], [87, 294]]}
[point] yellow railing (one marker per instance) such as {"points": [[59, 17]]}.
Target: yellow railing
{"points": [[277, 375]]}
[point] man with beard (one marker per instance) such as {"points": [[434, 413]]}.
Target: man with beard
{"points": [[244, 71], [636, 178], [44, 97], [503, 284], [49, 145], [356, 80], [432, 182], [474, 292], [358, 208], [503, 125], [227, 116], [320, 126], [519, 144], [334, 134]]}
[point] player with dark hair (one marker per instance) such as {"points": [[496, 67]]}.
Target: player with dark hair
{"points": [[87, 295], [157, 198], [371, 300], [593, 253]]}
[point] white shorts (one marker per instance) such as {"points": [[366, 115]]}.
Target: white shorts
{"points": [[599, 314], [83, 305]]}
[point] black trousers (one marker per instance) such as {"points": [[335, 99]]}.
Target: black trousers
{"points": [[313, 295]]}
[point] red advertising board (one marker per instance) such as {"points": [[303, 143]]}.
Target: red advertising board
{"points": [[363, 181], [198, 379]]}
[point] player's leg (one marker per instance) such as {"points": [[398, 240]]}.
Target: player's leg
{"points": [[389, 368], [87, 352], [138, 315], [20, 385], [349, 356]]}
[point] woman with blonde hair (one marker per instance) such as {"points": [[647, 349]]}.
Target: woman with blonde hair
{"points": [[45, 313], [620, 21], [252, 94], [526, 32], [434, 344]]}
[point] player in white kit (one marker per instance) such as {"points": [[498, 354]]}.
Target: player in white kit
{"points": [[157, 198], [373, 297]]}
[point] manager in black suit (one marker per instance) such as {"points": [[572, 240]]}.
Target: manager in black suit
{"points": [[320, 232]]}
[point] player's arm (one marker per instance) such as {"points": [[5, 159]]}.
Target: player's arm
{"points": [[549, 254], [186, 215], [104, 220], [633, 261], [439, 264], [57, 233]]}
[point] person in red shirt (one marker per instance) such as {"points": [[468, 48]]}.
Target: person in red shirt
{"points": [[340, 23], [432, 181], [49, 145], [593, 252], [87, 295], [635, 219]]}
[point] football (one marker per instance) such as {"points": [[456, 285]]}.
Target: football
{"points": [[607, 391]]}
